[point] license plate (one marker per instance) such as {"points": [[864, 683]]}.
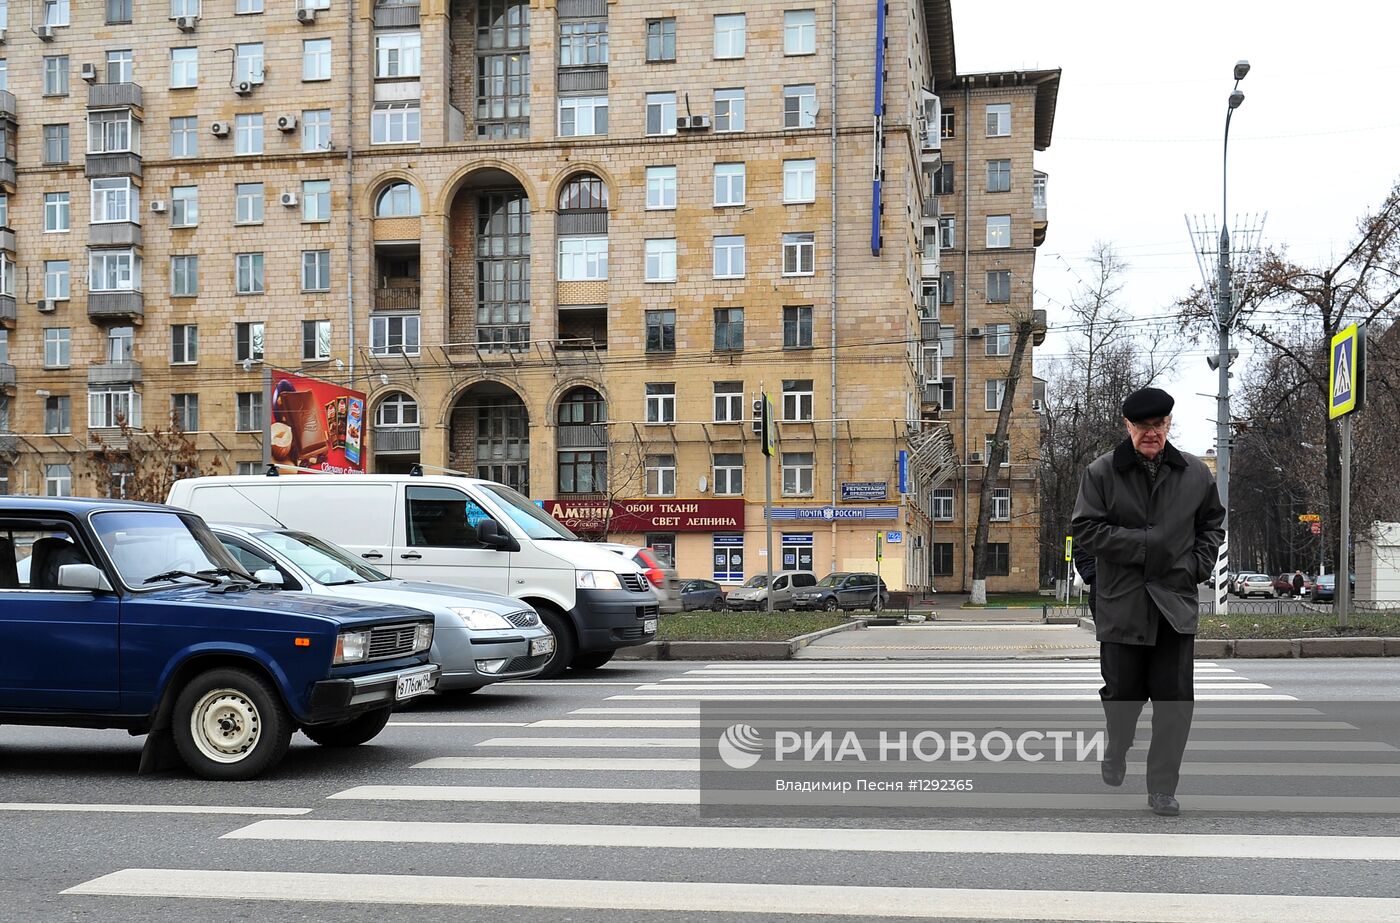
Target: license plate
{"points": [[414, 684], [649, 627], [542, 646]]}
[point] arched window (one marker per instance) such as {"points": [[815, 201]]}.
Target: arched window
{"points": [[398, 409], [584, 192], [582, 406], [398, 200]]}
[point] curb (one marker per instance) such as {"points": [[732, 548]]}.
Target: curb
{"points": [[1289, 648], [729, 650]]}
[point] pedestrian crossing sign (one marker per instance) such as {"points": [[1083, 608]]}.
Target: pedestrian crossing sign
{"points": [[1346, 390]]}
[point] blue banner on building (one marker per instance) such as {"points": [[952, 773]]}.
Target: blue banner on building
{"points": [[835, 513]]}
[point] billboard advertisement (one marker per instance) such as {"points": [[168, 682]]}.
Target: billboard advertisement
{"points": [[311, 423], [623, 516]]}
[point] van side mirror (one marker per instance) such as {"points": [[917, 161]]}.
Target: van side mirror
{"points": [[82, 577], [490, 534]]}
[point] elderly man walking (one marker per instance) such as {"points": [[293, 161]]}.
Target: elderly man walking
{"points": [[1152, 518]]}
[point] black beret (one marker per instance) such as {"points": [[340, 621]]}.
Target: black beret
{"points": [[1147, 404]]}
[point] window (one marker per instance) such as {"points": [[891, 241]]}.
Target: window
{"points": [[58, 415], [184, 136], [729, 257], [729, 474], [797, 474], [583, 42], [729, 110], [56, 280], [315, 270], [113, 131], [799, 181], [1001, 504], [729, 402], [248, 133], [398, 409], [661, 40], [394, 335], [947, 233], [996, 393], [661, 331], [315, 340], [947, 342], [108, 408], [729, 329], [249, 416], [58, 479], [56, 144], [119, 344], [398, 200], [729, 184], [184, 276], [797, 326], [248, 63], [998, 176], [246, 7], [998, 559], [661, 187], [947, 124], [4, 209], [661, 113], [249, 268], [998, 339], [800, 106], [119, 66], [184, 68], [943, 504], [729, 36], [118, 12], [728, 557], [184, 8], [661, 475], [799, 254], [947, 390], [583, 472], [661, 402], [113, 271], [247, 468], [663, 544], [797, 399], [184, 412], [56, 75], [800, 32], [248, 203], [583, 115], [942, 562], [998, 231], [184, 206], [248, 342], [316, 129], [944, 181], [316, 200], [583, 259], [395, 123], [56, 214], [998, 120], [441, 517], [661, 260], [184, 344], [316, 59], [7, 275], [999, 292], [947, 287]]}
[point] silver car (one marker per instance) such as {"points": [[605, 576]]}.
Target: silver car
{"points": [[479, 638]]}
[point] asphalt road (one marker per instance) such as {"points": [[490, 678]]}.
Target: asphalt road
{"points": [[544, 804]]}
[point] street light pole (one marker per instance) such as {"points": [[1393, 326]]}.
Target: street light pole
{"points": [[1223, 312]]}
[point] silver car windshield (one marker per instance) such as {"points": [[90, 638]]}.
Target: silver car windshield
{"points": [[756, 582], [536, 522], [327, 564], [144, 543]]}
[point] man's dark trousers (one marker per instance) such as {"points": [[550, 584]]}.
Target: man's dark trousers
{"points": [[1163, 672]]}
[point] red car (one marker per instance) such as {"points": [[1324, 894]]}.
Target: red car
{"points": [[1283, 585]]}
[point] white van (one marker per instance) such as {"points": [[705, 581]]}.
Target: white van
{"points": [[462, 531]]}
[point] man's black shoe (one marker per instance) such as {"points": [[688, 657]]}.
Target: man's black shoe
{"points": [[1165, 805], [1113, 769]]}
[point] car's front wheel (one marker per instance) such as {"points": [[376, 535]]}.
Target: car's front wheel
{"points": [[831, 604], [350, 733], [564, 645], [230, 724]]}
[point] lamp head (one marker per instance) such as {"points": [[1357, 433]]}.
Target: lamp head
{"points": [[1235, 99], [1241, 68]]}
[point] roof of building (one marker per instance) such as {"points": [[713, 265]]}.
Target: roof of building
{"points": [[1045, 82]]}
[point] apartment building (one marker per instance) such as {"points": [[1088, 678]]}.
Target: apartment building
{"points": [[564, 244]]}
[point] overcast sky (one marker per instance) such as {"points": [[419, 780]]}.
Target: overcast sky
{"points": [[1138, 129]]}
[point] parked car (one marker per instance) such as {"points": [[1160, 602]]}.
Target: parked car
{"points": [[479, 638], [660, 575], [134, 616], [844, 591], [753, 593], [701, 594], [1324, 588], [1254, 585], [1283, 585], [460, 531]]}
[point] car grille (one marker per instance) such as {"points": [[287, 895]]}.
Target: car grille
{"points": [[523, 619], [521, 664], [391, 641], [648, 612], [634, 582]]}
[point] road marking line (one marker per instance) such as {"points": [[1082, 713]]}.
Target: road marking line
{"points": [[764, 900], [759, 687], [1250, 746], [870, 697], [147, 808], [1075, 709], [459, 724], [991, 722]]}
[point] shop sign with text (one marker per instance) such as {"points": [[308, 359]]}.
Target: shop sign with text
{"points": [[647, 515]]}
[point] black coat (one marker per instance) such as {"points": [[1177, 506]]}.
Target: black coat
{"points": [[1152, 541]]}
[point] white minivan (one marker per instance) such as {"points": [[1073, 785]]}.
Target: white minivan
{"points": [[462, 531]]}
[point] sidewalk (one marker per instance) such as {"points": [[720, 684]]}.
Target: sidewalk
{"points": [[956, 642]]}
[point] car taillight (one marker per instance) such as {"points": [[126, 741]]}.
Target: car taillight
{"points": [[655, 575]]}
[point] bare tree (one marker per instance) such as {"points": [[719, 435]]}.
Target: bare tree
{"points": [[138, 464]]}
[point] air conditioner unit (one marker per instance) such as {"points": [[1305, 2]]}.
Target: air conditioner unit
{"points": [[289, 199], [286, 123], [2, 36], [693, 123], [758, 416], [48, 306], [45, 33], [306, 15], [244, 88], [976, 333], [89, 72], [975, 458], [158, 206], [219, 129], [187, 23], [1038, 406]]}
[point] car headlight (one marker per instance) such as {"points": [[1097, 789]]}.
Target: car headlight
{"points": [[351, 647], [597, 580], [480, 618], [423, 637]]}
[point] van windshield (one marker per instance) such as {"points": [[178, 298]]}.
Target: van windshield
{"points": [[537, 524], [325, 563]]}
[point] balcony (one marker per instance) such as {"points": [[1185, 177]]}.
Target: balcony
{"points": [[396, 298], [7, 175], [7, 105], [114, 373], [7, 377], [9, 444], [115, 96], [7, 240], [395, 16], [928, 329], [395, 439], [114, 234], [582, 436], [1039, 213], [120, 163], [8, 314], [105, 306]]}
